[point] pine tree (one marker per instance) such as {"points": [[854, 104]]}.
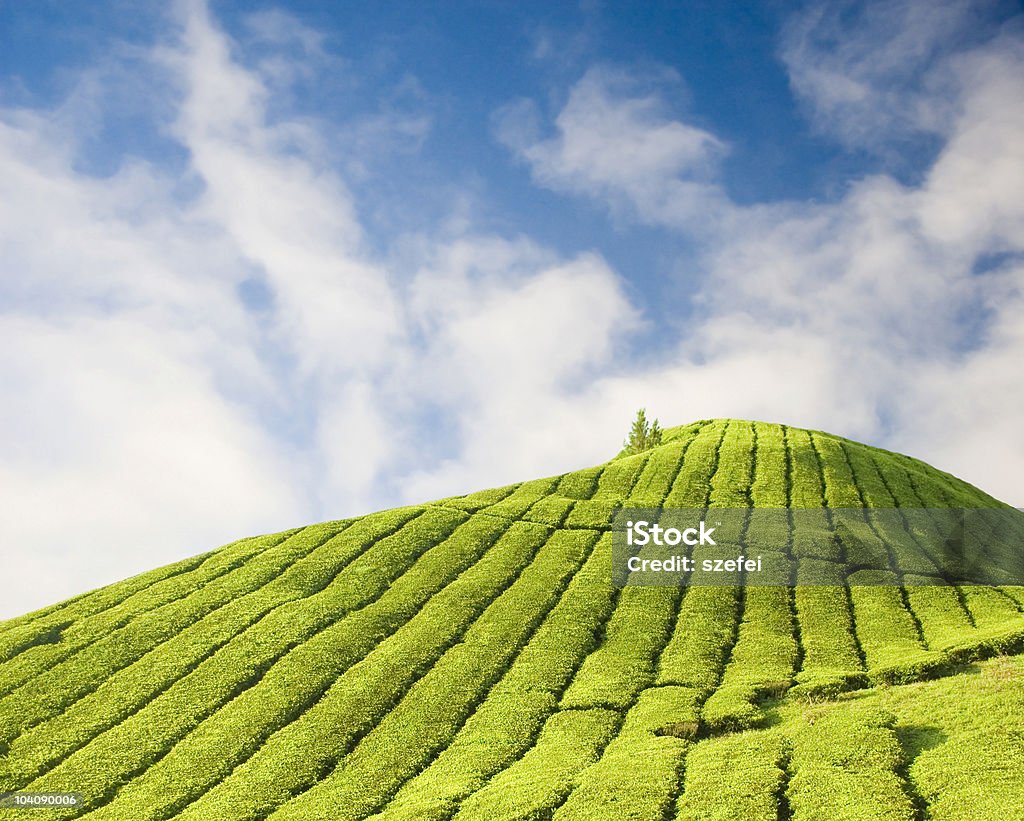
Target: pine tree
{"points": [[654, 435], [643, 435]]}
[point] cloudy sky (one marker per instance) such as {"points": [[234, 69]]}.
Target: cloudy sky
{"points": [[262, 265]]}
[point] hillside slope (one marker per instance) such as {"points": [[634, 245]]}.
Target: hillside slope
{"points": [[469, 659]]}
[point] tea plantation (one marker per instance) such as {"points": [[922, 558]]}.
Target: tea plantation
{"points": [[470, 659]]}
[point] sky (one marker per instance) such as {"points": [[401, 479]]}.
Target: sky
{"points": [[265, 264]]}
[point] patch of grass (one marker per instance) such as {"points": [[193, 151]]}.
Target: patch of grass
{"points": [[536, 784], [735, 776]]}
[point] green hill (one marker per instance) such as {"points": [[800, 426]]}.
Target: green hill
{"points": [[469, 659]]}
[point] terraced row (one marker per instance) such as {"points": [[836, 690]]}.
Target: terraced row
{"points": [[470, 658]]}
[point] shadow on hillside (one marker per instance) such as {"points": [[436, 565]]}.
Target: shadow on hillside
{"points": [[918, 738]]}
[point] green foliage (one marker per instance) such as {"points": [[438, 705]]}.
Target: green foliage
{"points": [[525, 496], [637, 774], [162, 598], [619, 477], [643, 435], [426, 719], [473, 502], [939, 610], [539, 781], [761, 664], [735, 776], [23, 632], [660, 472], [614, 674], [591, 513], [581, 484], [845, 766], [469, 658], [50, 692], [549, 510], [700, 468], [281, 603], [506, 724], [885, 628], [988, 606], [962, 737], [695, 655], [327, 707], [729, 486], [831, 659], [806, 483], [311, 662], [770, 487]]}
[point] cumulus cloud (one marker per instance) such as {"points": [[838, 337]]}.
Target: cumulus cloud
{"points": [[518, 352], [616, 140], [196, 353], [873, 73], [869, 315]]}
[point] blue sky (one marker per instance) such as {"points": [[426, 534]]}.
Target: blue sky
{"points": [[264, 264]]}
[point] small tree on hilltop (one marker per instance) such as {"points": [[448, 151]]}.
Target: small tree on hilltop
{"points": [[654, 435], [643, 435]]}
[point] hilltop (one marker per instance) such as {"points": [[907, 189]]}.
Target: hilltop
{"points": [[469, 658]]}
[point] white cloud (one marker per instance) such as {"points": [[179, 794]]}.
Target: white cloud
{"points": [[120, 455], [285, 213], [150, 414], [616, 141], [966, 411], [871, 73], [971, 198], [866, 316], [121, 334], [517, 354]]}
